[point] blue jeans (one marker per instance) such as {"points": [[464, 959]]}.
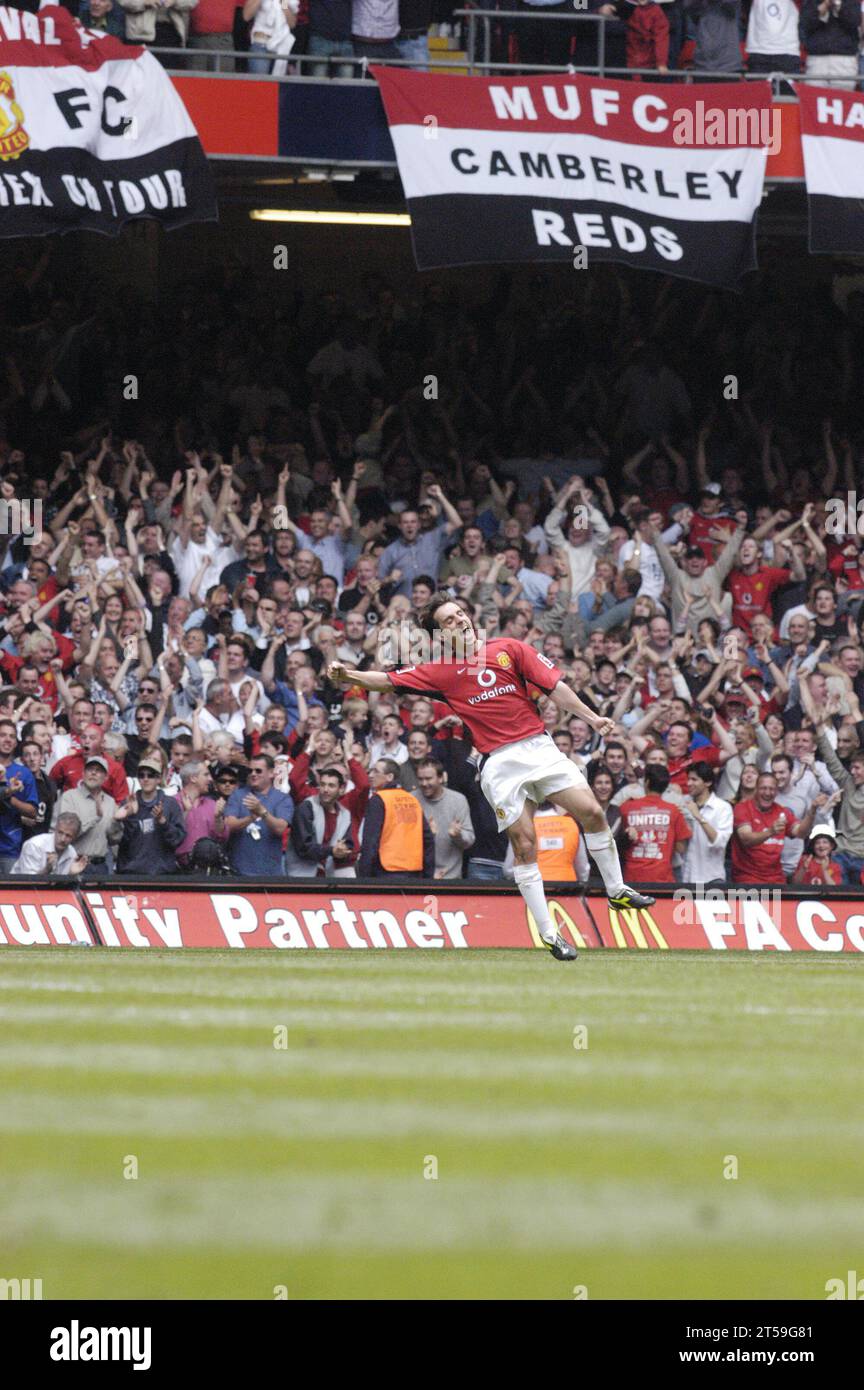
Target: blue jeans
{"points": [[329, 48], [415, 51], [259, 65], [485, 873], [851, 866]]}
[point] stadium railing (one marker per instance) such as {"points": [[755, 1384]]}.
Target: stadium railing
{"points": [[176, 61]]}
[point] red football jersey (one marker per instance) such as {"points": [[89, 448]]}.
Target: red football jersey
{"points": [[699, 532], [491, 698], [659, 825], [759, 863], [69, 772], [679, 767], [848, 566], [751, 593]]}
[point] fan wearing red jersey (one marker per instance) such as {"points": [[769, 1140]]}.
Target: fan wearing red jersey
{"points": [[761, 826], [752, 584], [487, 686]]}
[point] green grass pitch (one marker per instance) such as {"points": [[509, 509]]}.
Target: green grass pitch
{"points": [[300, 1171]]}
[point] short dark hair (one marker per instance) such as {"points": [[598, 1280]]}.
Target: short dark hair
{"points": [[264, 758], [431, 762], [332, 772], [633, 580], [275, 740], [438, 599], [599, 769], [424, 579], [656, 778], [704, 771], [391, 767]]}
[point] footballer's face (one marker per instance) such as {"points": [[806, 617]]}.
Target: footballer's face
{"points": [[452, 618]]}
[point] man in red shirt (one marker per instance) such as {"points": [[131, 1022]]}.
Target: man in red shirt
{"points": [[682, 757], [707, 519], [752, 584], [487, 686], [656, 830], [69, 771], [48, 654], [761, 826], [211, 30]]}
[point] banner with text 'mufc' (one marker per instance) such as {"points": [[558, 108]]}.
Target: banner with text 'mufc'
{"points": [[660, 177], [92, 132]]}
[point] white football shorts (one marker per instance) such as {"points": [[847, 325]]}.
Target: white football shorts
{"points": [[532, 767]]}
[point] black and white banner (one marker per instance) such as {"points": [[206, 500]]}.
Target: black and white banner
{"points": [[662, 177], [92, 133], [832, 144]]}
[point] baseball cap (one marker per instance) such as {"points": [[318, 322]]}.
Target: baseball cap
{"points": [[694, 552], [752, 673], [710, 490], [705, 654], [100, 762], [151, 764]]}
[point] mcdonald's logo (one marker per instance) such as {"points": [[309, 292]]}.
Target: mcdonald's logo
{"points": [[628, 919], [561, 919]]}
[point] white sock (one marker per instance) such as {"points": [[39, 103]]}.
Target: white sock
{"points": [[604, 851], [529, 881]]}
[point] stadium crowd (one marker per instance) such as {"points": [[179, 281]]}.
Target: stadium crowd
{"points": [[822, 38], [291, 479]]}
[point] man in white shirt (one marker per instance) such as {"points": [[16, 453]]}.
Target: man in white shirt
{"points": [[641, 554], [220, 714], [53, 852], [586, 533], [190, 551], [390, 744], [710, 820]]}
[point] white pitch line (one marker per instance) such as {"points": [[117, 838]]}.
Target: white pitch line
{"points": [[295, 1212]]}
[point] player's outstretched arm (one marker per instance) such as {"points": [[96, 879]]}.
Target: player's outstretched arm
{"points": [[340, 674], [565, 698]]}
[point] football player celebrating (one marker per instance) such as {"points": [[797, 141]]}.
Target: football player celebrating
{"points": [[487, 685]]}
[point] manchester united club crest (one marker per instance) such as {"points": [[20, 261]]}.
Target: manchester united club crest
{"points": [[13, 137], [503, 660]]}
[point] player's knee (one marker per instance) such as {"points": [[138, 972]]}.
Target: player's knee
{"points": [[593, 819], [524, 843]]}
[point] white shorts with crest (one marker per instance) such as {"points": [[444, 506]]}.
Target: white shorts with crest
{"points": [[532, 768]]}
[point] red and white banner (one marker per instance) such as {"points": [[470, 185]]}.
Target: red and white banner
{"points": [[665, 178], [92, 132], [832, 143], [239, 917]]}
